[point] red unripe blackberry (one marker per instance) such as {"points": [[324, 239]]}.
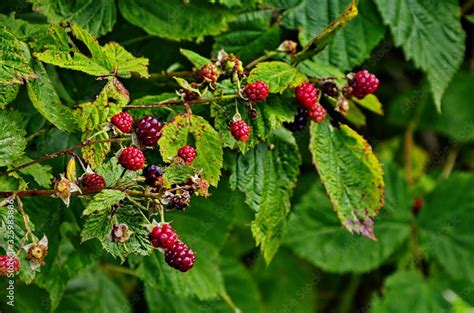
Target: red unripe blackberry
{"points": [[93, 180], [132, 158], [240, 130], [163, 236], [8, 265], [209, 73], [317, 113], [123, 121], [187, 153], [153, 175], [148, 131], [257, 91], [306, 95], [364, 83], [180, 257]]}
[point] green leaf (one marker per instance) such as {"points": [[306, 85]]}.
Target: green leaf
{"points": [[93, 116], [239, 286], [470, 18], [277, 75], [63, 263], [446, 225], [97, 17], [110, 59], [93, 292], [112, 172], [14, 60], [12, 142], [417, 104], [8, 93], [270, 115], [99, 225], [250, 35], [315, 234], [418, 295], [351, 173], [347, 41], [371, 103], [44, 98], [208, 144], [430, 34], [103, 201], [40, 173], [197, 60], [267, 175], [177, 174], [296, 280], [176, 20]]}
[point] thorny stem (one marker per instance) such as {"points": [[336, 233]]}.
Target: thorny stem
{"points": [[63, 152], [85, 191], [181, 102], [26, 218]]}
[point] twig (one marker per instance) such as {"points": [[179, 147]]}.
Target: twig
{"points": [[267, 56], [63, 152], [450, 162], [26, 218], [181, 102], [171, 74], [408, 153], [85, 191]]}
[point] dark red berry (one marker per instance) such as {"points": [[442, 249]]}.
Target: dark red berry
{"points": [[148, 131], [187, 153], [153, 175], [299, 122], [317, 113], [123, 121], [417, 205], [93, 180], [132, 158], [240, 130], [330, 88], [180, 257], [306, 95], [163, 236], [179, 200], [257, 91], [364, 83], [190, 95], [8, 265], [209, 73]]}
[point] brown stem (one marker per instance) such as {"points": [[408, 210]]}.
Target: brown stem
{"points": [[63, 152], [171, 74], [408, 153], [85, 191], [176, 103]]}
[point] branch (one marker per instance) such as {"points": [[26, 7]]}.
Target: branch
{"points": [[85, 191], [176, 103], [63, 152]]}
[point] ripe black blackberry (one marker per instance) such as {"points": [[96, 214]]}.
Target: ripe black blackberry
{"points": [[153, 175], [148, 131], [299, 122]]}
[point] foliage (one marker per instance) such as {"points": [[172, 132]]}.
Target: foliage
{"points": [[360, 212]]}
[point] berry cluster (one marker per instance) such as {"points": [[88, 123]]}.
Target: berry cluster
{"points": [[257, 92], [306, 95], [363, 84], [153, 175], [148, 131], [187, 153], [8, 265], [240, 130], [178, 255], [93, 180], [123, 121], [209, 73]]}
